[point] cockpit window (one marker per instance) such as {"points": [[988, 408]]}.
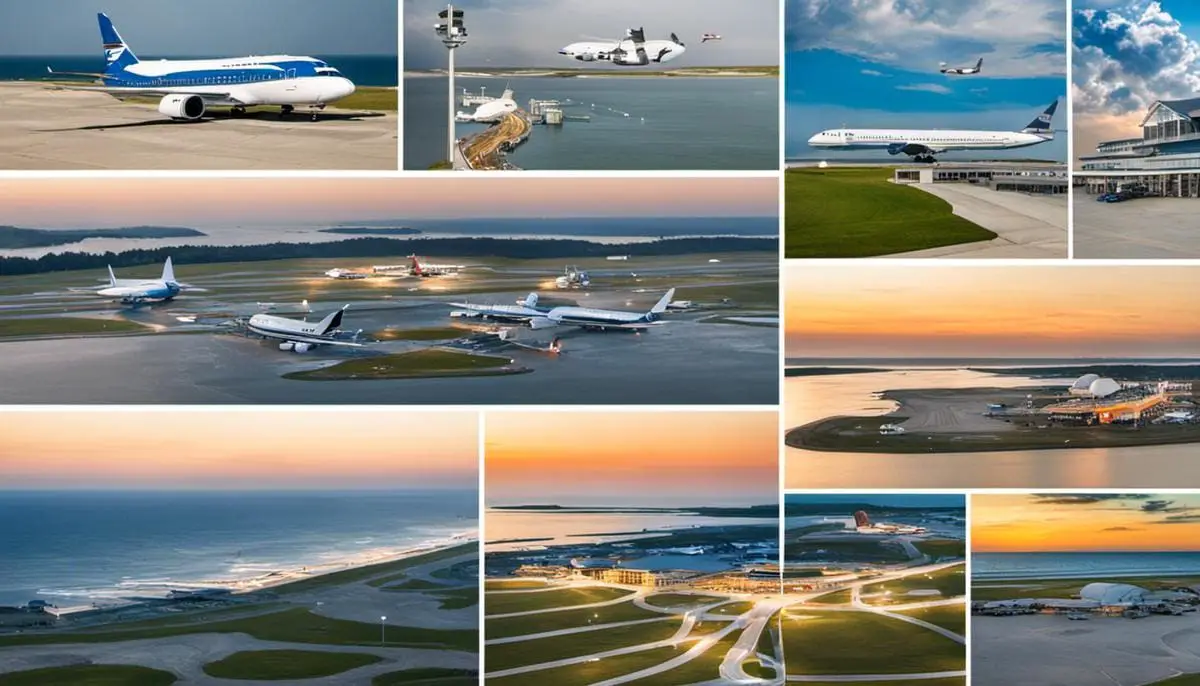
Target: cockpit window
{"points": [[328, 71]]}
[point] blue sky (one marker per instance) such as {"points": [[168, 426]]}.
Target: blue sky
{"points": [[213, 28], [874, 63], [1126, 56]]}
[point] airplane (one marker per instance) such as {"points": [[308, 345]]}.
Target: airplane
{"points": [[298, 335], [427, 270], [964, 71], [189, 87], [135, 291], [710, 36], [632, 51], [923, 144], [344, 274], [492, 111], [523, 311], [592, 319], [680, 305], [573, 278]]}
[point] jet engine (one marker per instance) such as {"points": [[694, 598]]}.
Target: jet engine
{"points": [[541, 323], [182, 107], [302, 347], [586, 57], [287, 347]]}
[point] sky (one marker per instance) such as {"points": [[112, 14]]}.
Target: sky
{"points": [[1020, 311], [1126, 56], [1083, 522], [236, 450], [874, 64], [648, 459], [879, 500], [525, 33], [214, 28], [89, 203]]}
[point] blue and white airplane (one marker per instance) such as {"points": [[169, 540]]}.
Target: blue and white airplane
{"points": [[592, 319], [524, 311], [189, 87], [136, 291]]}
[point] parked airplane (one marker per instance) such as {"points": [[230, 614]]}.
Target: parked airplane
{"points": [[632, 51], [594, 319], [189, 87], [709, 36], [298, 335], [491, 111], [573, 278], [964, 71], [523, 311], [344, 274], [134, 291], [425, 270], [923, 144]]}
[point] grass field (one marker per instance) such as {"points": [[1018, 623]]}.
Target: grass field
{"points": [[512, 584], [673, 600], [89, 675], [1181, 680], [736, 608], [857, 212], [406, 585], [428, 676], [555, 621], [65, 326], [592, 672], [705, 667], [539, 650], [864, 643], [507, 603], [938, 547], [458, 598], [371, 98], [950, 681], [426, 363], [950, 582], [443, 333], [276, 665], [835, 598], [952, 617], [1064, 588], [395, 567]]}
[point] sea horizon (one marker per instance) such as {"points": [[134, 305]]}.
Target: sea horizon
{"points": [[996, 566]]}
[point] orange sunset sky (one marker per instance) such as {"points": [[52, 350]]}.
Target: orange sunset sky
{"points": [[81, 203], [632, 458], [938, 310], [1080, 522], [297, 449]]}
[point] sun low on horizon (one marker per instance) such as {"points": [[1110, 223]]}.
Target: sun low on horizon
{"points": [[1085, 522], [635, 458], [981, 311], [231, 450]]}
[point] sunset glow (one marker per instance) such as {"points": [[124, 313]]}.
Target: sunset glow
{"points": [[1073, 522]]}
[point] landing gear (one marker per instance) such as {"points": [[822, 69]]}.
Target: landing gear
{"points": [[285, 110], [316, 110], [924, 159]]}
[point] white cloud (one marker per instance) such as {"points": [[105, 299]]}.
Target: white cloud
{"points": [[927, 87], [872, 72]]}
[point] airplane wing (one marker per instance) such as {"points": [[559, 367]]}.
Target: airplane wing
{"points": [[637, 326], [639, 45], [157, 92], [318, 340], [913, 149]]}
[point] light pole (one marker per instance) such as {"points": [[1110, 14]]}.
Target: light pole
{"points": [[454, 35], [382, 629]]}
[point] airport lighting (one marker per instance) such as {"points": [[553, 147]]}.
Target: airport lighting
{"points": [[382, 629], [454, 35]]}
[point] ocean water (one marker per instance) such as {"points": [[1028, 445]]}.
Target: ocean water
{"points": [[673, 123], [363, 70], [77, 548], [1082, 565], [565, 528]]}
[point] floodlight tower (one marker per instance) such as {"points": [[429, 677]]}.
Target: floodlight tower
{"points": [[454, 36]]}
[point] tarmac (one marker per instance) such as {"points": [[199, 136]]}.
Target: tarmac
{"points": [[44, 128], [1027, 226], [1146, 228]]}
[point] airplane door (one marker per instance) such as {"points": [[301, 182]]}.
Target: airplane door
{"points": [[291, 76]]}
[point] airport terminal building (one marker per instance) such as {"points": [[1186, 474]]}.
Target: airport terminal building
{"points": [[1166, 159]]}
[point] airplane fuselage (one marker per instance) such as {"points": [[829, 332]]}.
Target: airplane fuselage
{"points": [[141, 291], [596, 318], [624, 53], [282, 327], [940, 140], [244, 81]]}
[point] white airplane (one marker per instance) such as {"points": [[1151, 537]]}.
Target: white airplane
{"points": [[492, 111], [298, 335], [593, 319], [632, 51], [923, 144], [523, 311], [964, 71], [680, 305], [189, 87], [710, 36], [134, 291], [344, 274], [426, 270], [573, 278]]}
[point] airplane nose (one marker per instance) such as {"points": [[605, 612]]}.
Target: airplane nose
{"points": [[814, 140], [564, 51]]}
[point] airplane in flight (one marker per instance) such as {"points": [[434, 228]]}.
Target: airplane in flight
{"points": [[427, 270], [137, 291], [632, 51], [710, 36], [963, 71], [344, 274], [189, 87], [524, 311], [592, 319], [491, 111], [923, 144], [300, 336]]}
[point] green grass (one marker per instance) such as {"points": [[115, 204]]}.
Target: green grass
{"points": [[372, 571], [64, 326], [864, 643], [673, 600], [507, 603], [754, 668], [586, 673], [407, 585], [428, 676], [1181, 680], [950, 582], [297, 625], [419, 364], [567, 619], [1064, 588], [711, 626], [704, 667], [761, 294], [952, 617], [835, 598], [512, 584], [539, 650], [736, 608], [428, 334], [458, 598], [89, 675], [857, 212], [176, 619], [466, 571], [371, 98], [276, 665], [949, 681], [936, 548]]}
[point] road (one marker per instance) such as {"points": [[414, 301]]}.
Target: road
{"points": [[483, 151]]}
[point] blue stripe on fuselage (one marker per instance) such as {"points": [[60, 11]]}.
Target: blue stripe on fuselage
{"points": [[276, 71]]}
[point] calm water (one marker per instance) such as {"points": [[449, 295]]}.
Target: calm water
{"points": [[363, 70], [808, 399], [575, 528], [85, 547], [672, 123], [1081, 565]]}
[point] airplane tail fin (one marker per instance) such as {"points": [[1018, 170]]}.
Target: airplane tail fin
{"points": [[531, 300], [675, 40], [332, 322], [1042, 123], [416, 265], [117, 54], [661, 305], [168, 275], [979, 64], [112, 278]]}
